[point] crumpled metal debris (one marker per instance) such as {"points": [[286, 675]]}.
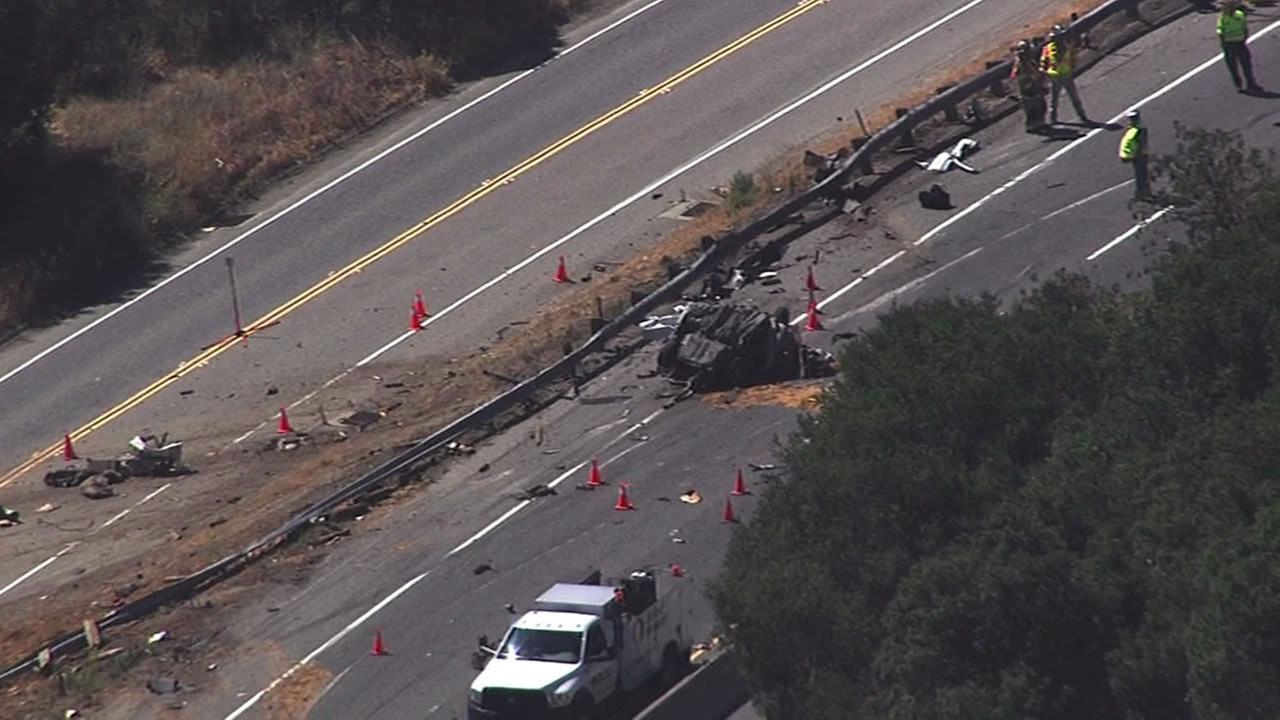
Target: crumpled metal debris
{"points": [[691, 497], [8, 517], [953, 158], [720, 345], [152, 456]]}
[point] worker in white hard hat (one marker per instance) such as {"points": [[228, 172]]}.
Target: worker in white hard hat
{"points": [[1030, 82], [1058, 60], [1133, 151]]}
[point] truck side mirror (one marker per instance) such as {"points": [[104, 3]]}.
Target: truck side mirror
{"points": [[485, 647]]}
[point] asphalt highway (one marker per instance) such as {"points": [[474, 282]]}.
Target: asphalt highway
{"points": [[1038, 207], [471, 213], [412, 571], [784, 51]]}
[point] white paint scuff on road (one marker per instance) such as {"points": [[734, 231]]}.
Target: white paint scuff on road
{"points": [[248, 704], [1017, 179], [322, 190], [908, 287], [1128, 233]]}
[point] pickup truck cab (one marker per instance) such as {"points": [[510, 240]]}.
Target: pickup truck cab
{"points": [[580, 646]]}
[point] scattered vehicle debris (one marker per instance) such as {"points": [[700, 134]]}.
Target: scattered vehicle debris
{"points": [[163, 685], [9, 518], [535, 491], [147, 456], [157, 637], [97, 490], [717, 346], [823, 166], [691, 497], [360, 419], [935, 198], [47, 507], [953, 158], [483, 568], [152, 457]]}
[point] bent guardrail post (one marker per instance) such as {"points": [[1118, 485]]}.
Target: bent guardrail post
{"points": [[860, 160]]}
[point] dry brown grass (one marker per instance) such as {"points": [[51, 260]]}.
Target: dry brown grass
{"points": [[204, 137], [800, 396]]}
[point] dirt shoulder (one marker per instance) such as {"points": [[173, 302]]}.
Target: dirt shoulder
{"points": [[241, 494]]}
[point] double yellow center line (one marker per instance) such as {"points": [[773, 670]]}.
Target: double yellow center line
{"points": [[486, 188]]}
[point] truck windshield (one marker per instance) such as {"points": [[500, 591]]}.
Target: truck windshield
{"points": [[548, 645]]}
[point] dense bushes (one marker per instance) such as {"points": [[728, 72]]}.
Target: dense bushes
{"points": [[1071, 510], [169, 110]]}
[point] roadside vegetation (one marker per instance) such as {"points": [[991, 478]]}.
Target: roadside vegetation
{"points": [[1064, 508], [125, 124]]}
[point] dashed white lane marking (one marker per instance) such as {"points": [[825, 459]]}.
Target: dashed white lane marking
{"points": [[1085, 200], [248, 704], [317, 193], [1128, 233], [22, 578], [559, 479], [70, 546]]}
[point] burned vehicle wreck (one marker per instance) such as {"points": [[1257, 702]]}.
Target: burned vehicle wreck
{"points": [[721, 345]]}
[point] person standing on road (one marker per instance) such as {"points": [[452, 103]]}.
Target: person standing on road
{"points": [[1233, 32], [1026, 73], [1133, 150], [1058, 60]]}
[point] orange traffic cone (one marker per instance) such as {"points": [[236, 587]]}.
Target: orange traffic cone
{"points": [[415, 321], [810, 283], [378, 647], [419, 305], [740, 485], [729, 517], [68, 452], [812, 322], [593, 478], [284, 428], [562, 274], [624, 500]]}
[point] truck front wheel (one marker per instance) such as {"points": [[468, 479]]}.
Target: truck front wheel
{"points": [[582, 708], [675, 664]]}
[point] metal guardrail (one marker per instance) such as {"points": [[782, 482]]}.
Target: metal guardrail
{"points": [[415, 455]]}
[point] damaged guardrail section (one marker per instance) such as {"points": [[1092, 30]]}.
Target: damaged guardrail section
{"points": [[416, 456]]}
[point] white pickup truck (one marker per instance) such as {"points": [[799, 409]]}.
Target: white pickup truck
{"points": [[580, 646]]}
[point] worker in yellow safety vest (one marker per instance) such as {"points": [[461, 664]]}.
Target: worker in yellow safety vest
{"points": [[1133, 151], [1057, 60], [1233, 32]]}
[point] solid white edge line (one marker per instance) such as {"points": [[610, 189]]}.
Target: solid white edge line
{"points": [[248, 704], [1080, 141], [706, 155], [323, 189], [1128, 233]]}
